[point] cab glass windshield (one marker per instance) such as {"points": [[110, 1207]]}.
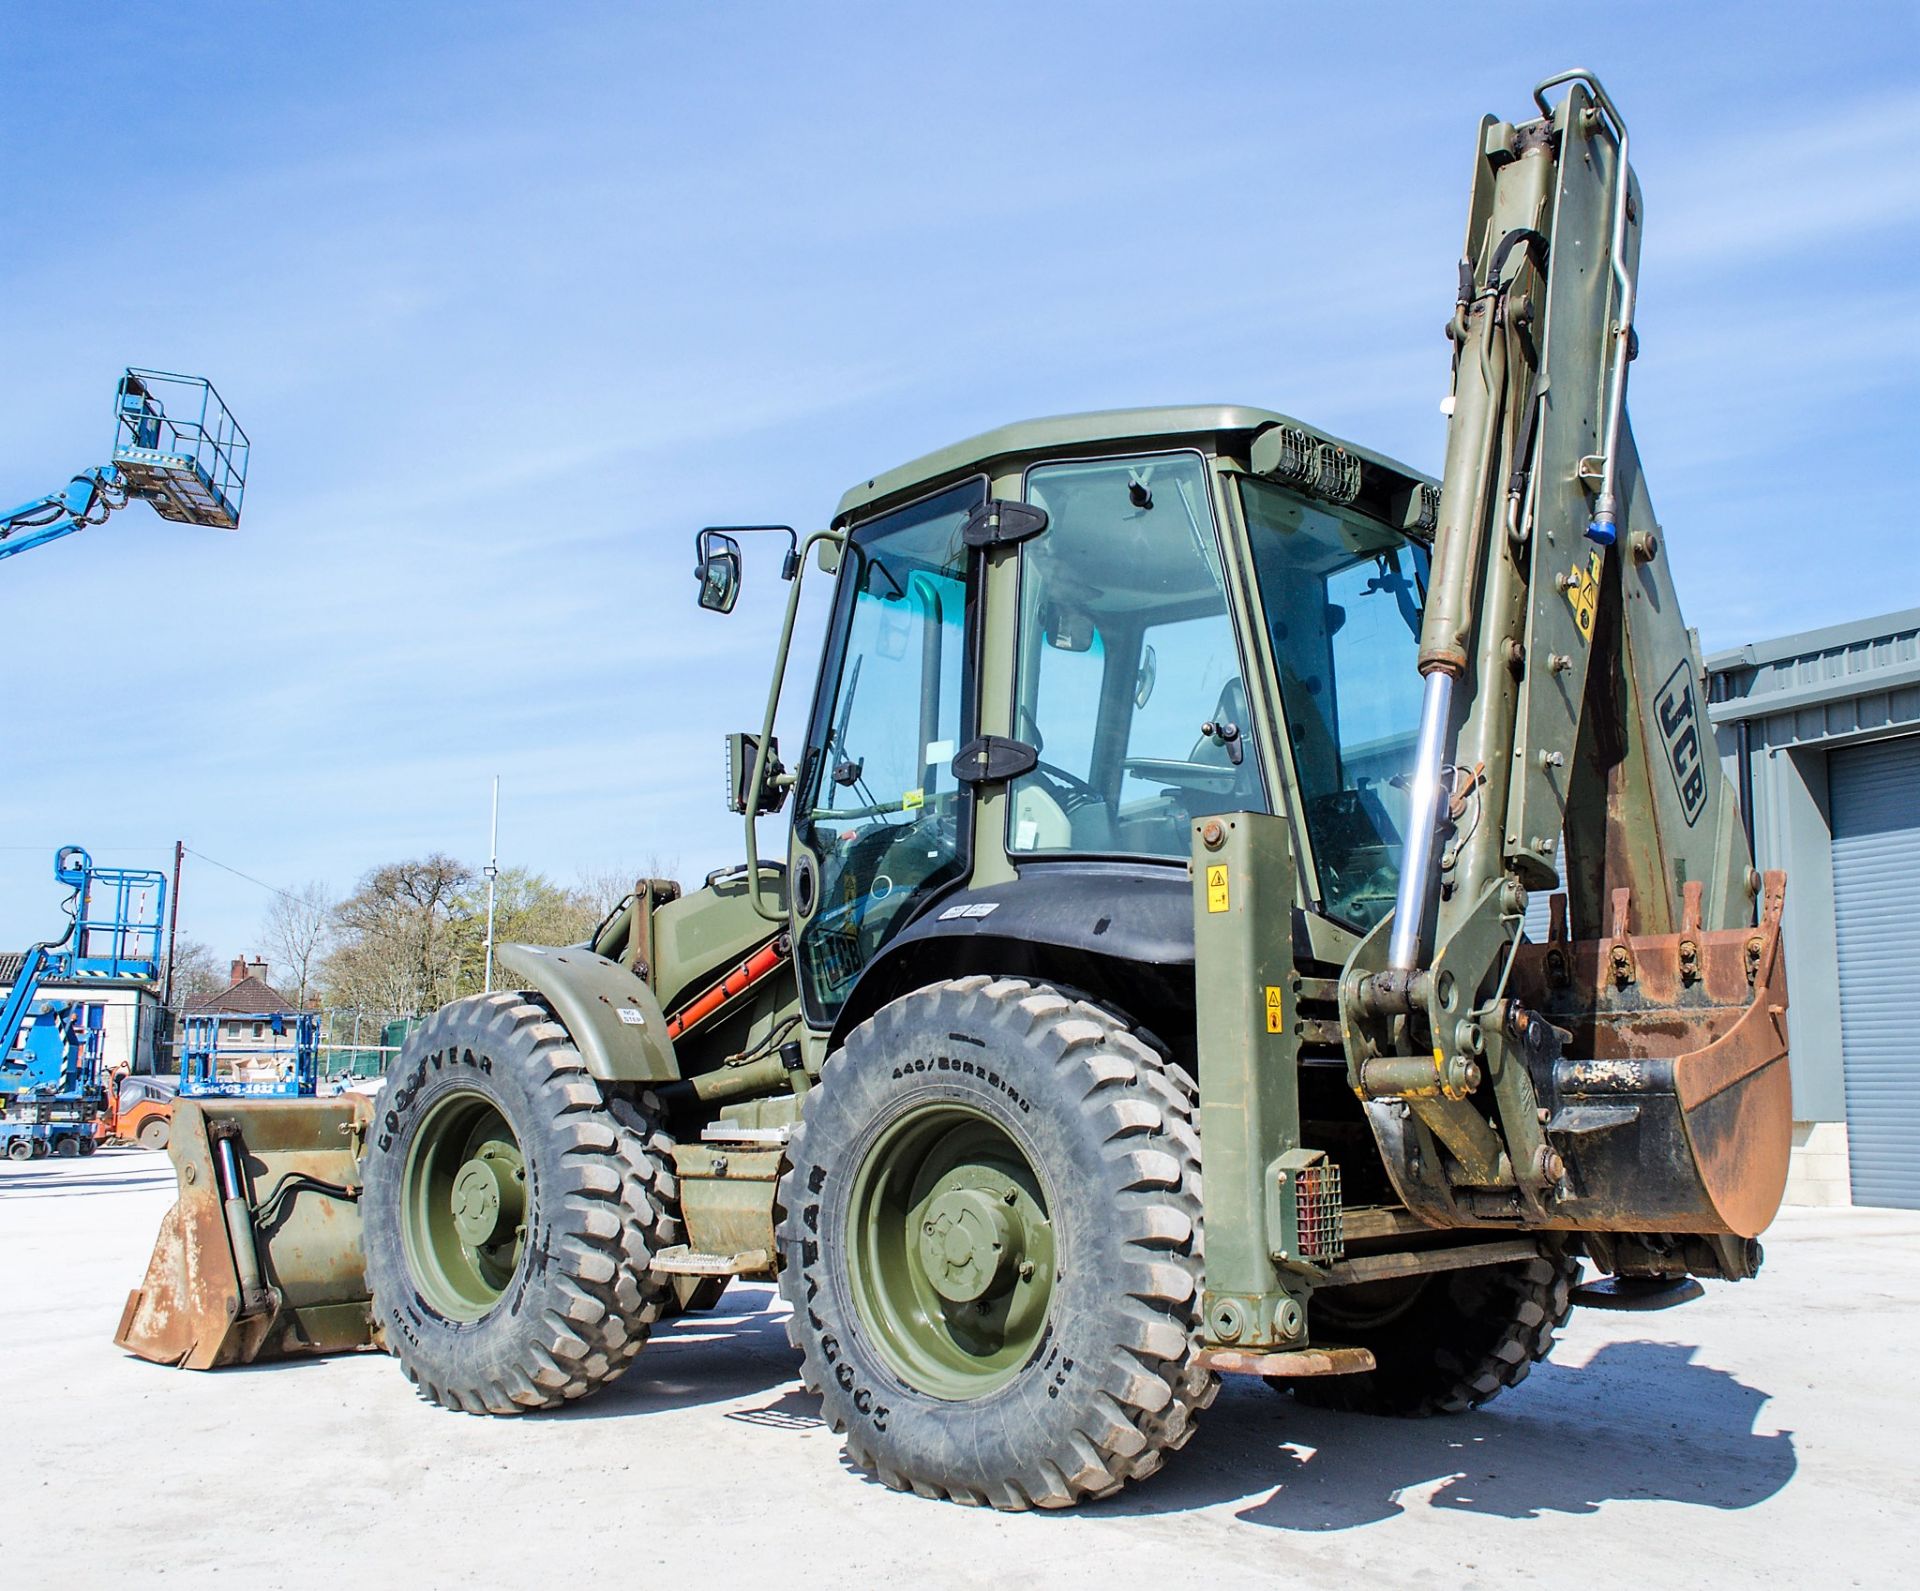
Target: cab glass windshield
{"points": [[1341, 596]]}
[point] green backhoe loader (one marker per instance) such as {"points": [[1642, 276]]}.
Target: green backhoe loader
{"points": [[1174, 790]]}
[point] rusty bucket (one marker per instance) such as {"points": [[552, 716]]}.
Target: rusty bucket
{"points": [[1674, 1108], [260, 1257]]}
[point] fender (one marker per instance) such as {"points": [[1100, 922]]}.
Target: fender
{"points": [[1120, 931], [610, 1014]]}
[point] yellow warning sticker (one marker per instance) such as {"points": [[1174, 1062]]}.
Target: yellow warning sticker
{"points": [[1216, 889], [1583, 595], [913, 800], [1276, 1016]]}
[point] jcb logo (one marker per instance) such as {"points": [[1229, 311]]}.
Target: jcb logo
{"points": [[1679, 718]]}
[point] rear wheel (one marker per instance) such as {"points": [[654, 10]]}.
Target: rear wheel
{"points": [[154, 1134], [88, 1144], [511, 1213], [1443, 1343], [67, 1147], [20, 1149], [991, 1239]]}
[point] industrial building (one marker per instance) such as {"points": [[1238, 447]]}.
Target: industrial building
{"points": [[1821, 731]]}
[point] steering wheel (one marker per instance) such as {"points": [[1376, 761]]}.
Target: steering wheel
{"points": [[1075, 791]]}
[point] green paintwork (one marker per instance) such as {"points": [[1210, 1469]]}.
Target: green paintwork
{"points": [[1243, 903], [463, 1199], [705, 929], [952, 1259], [1210, 427], [589, 993], [726, 1196]]}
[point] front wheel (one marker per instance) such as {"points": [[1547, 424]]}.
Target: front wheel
{"points": [[991, 1240], [511, 1213], [20, 1149]]}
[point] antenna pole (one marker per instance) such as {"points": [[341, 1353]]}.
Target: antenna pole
{"points": [[493, 874]]}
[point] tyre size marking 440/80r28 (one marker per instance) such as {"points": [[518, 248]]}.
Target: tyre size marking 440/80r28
{"points": [[966, 1068]]}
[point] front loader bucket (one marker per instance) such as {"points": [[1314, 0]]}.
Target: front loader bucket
{"points": [[260, 1258], [1671, 1107]]}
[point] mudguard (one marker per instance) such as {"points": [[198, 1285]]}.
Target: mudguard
{"points": [[613, 1018]]}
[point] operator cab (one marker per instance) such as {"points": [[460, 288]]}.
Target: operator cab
{"points": [[1214, 610]]}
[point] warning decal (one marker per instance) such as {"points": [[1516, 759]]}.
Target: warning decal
{"points": [[1276, 1017], [1217, 888], [1583, 595]]}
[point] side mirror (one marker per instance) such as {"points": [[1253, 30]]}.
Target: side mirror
{"points": [[1143, 682], [742, 750], [718, 571]]}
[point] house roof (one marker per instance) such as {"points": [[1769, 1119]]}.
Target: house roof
{"points": [[251, 996]]}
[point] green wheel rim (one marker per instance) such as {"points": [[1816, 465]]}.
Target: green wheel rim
{"points": [[463, 1206], [950, 1250]]}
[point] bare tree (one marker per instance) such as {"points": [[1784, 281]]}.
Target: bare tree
{"points": [[396, 946], [196, 970], [296, 932], [606, 887]]}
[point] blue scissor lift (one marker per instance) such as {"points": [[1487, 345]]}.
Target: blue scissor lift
{"points": [[176, 445], [278, 1059], [50, 1087]]}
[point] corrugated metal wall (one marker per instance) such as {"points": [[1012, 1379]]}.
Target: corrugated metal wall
{"points": [[1874, 795]]}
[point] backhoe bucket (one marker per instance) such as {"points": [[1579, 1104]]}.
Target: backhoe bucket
{"points": [[1671, 1107], [260, 1258]]}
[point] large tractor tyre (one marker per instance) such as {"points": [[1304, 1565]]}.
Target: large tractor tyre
{"points": [[1443, 1343], [511, 1213], [990, 1233], [154, 1134]]}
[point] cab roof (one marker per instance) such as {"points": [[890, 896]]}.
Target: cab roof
{"points": [[1220, 427]]}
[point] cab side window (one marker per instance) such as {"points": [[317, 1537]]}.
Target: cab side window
{"points": [[1126, 650]]}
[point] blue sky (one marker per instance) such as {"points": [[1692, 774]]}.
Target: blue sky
{"points": [[513, 298]]}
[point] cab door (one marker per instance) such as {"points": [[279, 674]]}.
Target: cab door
{"points": [[880, 823]]}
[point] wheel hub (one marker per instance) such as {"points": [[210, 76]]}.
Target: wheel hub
{"points": [[489, 1195], [967, 1243]]}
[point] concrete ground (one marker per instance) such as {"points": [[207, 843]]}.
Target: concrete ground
{"points": [[1765, 1434]]}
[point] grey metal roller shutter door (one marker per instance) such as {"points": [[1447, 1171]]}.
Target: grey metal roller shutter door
{"points": [[1874, 791]]}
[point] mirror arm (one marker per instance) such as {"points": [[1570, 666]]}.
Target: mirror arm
{"points": [[790, 563], [757, 781]]}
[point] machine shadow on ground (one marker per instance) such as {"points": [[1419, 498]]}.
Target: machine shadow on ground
{"points": [[732, 1351], [1520, 1458]]}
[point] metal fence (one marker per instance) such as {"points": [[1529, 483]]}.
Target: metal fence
{"points": [[361, 1043]]}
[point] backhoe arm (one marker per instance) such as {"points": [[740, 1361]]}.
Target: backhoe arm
{"points": [[1563, 704]]}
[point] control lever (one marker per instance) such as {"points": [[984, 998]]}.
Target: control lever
{"points": [[1228, 735]]}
